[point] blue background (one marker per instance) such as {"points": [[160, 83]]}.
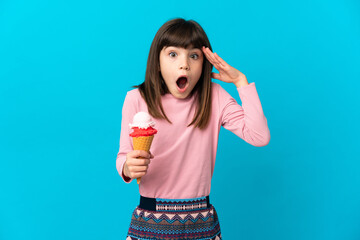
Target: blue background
{"points": [[65, 67]]}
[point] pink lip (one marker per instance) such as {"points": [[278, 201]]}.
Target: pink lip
{"points": [[186, 86]]}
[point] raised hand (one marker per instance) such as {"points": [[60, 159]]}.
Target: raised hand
{"points": [[226, 72]]}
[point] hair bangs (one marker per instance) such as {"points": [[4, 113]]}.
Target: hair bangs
{"points": [[185, 35]]}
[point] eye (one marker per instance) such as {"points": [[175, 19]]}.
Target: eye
{"points": [[194, 56], [172, 54]]}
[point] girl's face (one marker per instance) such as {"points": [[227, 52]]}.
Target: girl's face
{"points": [[181, 69]]}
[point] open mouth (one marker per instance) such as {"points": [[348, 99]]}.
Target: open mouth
{"points": [[182, 83]]}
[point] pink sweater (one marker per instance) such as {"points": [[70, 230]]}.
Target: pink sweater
{"points": [[184, 157]]}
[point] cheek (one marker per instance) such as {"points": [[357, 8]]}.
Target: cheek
{"points": [[164, 66], [200, 65], [199, 69], [162, 69], [161, 63]]}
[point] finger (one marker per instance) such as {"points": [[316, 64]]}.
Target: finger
{"points": [[212, 55], [209, 55], [140, 162], [215, 75], [139, 154], [220, 60], [151, 155], [136, 169], [214, 59]]}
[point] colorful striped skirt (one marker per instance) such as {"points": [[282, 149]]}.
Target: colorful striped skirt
{"points": [[160, 219]]}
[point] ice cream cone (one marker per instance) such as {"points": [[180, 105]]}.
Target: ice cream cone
{"points": [[142, 143], [143, 134]]}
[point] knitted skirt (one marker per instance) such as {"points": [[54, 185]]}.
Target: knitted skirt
{"points": [[160, 219]]}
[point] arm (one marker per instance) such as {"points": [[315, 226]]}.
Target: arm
{"points": [[247, 121], [130, 163], [128, 110]]}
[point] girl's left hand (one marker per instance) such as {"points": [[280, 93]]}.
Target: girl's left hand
{"points": [[226, 72]]}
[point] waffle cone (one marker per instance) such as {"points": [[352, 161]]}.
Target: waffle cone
{"points": [[142, 143]]}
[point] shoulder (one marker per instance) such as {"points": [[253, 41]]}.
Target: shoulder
{"points": [[218, 91], [132, 98], [215, 86], [134, 93], [220, 97]]}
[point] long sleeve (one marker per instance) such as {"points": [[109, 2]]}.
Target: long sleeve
{"points": [[128, 111], [192, 150], [247, 121]]}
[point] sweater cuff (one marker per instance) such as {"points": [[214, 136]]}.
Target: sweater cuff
{"points": [[119, 166], [125, 178], [250, 85]]}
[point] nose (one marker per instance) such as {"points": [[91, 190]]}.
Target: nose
{"points": [[184, 65]]}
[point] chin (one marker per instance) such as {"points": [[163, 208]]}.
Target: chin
{"points": [[181, 96]]}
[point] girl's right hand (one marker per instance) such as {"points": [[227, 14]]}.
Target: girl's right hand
{"points": [[137, 163]]}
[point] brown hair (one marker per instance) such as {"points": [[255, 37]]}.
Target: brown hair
{"points": [[179, 33]]}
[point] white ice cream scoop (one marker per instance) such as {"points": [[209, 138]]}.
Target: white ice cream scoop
{"points": [[142, 120]]}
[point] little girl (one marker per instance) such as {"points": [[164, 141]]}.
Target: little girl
{"points": [[189, 110]]}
